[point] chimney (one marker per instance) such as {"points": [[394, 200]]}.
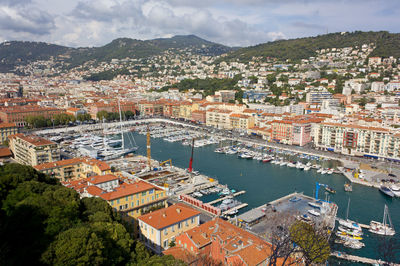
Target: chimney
{"points": [[164, 215], [178, 210]]}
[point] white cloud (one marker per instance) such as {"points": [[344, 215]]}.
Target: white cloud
{"points": [[231, 22]]}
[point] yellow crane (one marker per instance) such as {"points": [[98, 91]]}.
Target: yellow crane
{"points": [[167, 161]]}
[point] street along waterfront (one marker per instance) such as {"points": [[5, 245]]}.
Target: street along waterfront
{"points": [[265, 182]]}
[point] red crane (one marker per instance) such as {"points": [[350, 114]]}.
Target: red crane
{"points": [[190, 169]]}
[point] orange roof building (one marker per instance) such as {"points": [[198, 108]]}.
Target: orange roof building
{"points": [[159, 228], [224, 243]]}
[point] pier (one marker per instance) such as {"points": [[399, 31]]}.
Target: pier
{"points": [[221, 199], [354, 258]]}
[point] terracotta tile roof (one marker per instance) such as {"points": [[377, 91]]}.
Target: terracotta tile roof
{"points": [[7, 125], [182, 254], [98, 179], [95, 191], [103, 166], [128, 189], [165, 217], [5, 152], [34, 140], [237, 242]]}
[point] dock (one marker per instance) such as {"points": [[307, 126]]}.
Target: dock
{"points": [[365, 226], [354, 258], [221, 199], [235, 208]]}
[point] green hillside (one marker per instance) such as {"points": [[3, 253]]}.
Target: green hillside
{"points": [[387, 44], [20, 53]]}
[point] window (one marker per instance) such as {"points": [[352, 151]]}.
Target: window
{"points": [[132, 204], [117, 201], [180, 242], [193, 220], [152, 231], [144, 193], [179, 225], [142, 201], [166, 231], [151, 191], [173, 228], [112, 203], [166, 243], [186, 223], [185, 245], [137, 202], [126, 206]]}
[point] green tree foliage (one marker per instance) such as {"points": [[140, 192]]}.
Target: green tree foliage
{"points": [[40, 121], [387, 44], [83, 117], [45, 223], [311, 242], [207, 86]]}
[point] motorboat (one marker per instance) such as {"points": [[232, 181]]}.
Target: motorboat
{"points": [[330, 190], [232, 212], [350, 224], [387, 191], [314, 205], [350, 231], [306, 168], [314, 212], [396, 190], [348, 187], [345, 235], [197, 194], [354, 244]]}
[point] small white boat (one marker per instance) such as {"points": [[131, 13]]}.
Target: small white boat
{"points": [[197, 194], [314, 212]]}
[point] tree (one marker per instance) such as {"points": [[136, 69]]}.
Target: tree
{"points": [[312, 243], [83, 117], [101, 115], [389, 249], [271, 78]]}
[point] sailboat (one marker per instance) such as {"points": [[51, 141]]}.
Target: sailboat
{"points": [[348, 223], [123, 151], [383, 228]]}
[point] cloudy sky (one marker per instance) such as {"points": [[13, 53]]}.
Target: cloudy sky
{"points": [[231, 22]]}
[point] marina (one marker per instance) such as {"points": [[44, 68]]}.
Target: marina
{"points": [[279, 175]]}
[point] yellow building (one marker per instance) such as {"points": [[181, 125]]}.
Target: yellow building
{"points": [[136, 199], [75, 168], [33, 150], [130, 199], [7, 129], [185, 110], [218, 118], [159, 228], [241, 122]]}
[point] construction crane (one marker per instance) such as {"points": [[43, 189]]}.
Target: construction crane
{"points": [[167, 161], [190, 169], [317, 186], [148, 148]]}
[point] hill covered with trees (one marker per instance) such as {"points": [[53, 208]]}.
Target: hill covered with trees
{"points": [[387, 44], [20, 53], [45, 223]]}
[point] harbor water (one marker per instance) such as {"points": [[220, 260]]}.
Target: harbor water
{"points": [[264, 182]]}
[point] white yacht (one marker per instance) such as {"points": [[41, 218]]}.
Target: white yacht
{"points": [[383, 228], [396, 190]]}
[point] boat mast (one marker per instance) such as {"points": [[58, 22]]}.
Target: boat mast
{"points": [[122, 132]]}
